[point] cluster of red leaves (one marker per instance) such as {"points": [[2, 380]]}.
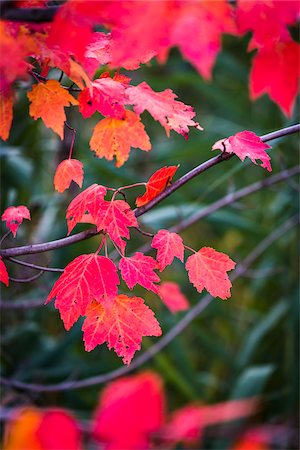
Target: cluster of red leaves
{"points": [[137, 32], [120, 421]]}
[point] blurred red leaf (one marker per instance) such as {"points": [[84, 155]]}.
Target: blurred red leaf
{"points": [[13, 216], [3, 273], [172, 297]]}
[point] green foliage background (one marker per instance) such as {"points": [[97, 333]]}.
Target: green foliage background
{"points": [[243, 347]]}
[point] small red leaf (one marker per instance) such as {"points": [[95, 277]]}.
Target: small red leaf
{"points": [[139, 269], [122, 326], [156, 184], [59, 429], [3, 273], [207, 269], [88, 201], [86, 278], [172, 297], [13, 216], [68, 170], [246, 143], [168, 245]]}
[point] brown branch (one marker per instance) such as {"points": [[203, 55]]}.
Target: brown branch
{"points": [[59, 243], [34, 15], [168, 337]]}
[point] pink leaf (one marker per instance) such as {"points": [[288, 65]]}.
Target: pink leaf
{"points": [[246, 143], [139, 269], [168, 245], [13, 216], [207, 269], [172, 297], [3, 273]]}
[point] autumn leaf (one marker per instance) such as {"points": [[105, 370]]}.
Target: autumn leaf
{"points": [[114, 137], [13, 216], [87, 278], [21, 430], [3, 273], [246, 143], [163, 107], [168, 245], [156, 184], [207, 269], [47, 102], [98, 52], [172, 297], [78, 75], [115, 217], [106, 96], [256, 438], [6, 114], [68, 170], [88, 201], [120, 420], [139, 269], [122, 326]]}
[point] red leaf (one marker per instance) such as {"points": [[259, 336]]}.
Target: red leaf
{"points": [[115, 217], [282, 86], [156, 184], [47, 102], [86, 278], [58, 429], [172, 114], [98, 52], [68, 170], [122, 326], [259, 438], [87, 201], [107, 97], [172, 297], [120, 420], [3, 273], [207, 269], [168, 245], [246, 143], [139, 269], [13, 216], [114, 137]]}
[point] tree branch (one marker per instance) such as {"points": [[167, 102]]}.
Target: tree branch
{"points": [[59, 243], [168, 337], [34, 15]]}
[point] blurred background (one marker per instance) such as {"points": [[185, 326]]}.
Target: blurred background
{"points": [[244, 347]]}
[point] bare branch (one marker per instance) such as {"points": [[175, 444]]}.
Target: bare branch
{"points": [[168, 337], [34, 15], [35, 266], [27, 280], [59, 243]]}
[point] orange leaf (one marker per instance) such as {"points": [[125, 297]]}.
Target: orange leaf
{"points": [[21, 430], [6, 115], [68, 170], [3, 273], [122, 326], [86, 278], [78, 75], [207, 269], [13, 216], [156, 184], [114, 137], [172, 297], [47, 102]]}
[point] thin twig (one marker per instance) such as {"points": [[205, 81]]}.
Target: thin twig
{"points": [[59, 243], [26, 280], [167, 338], [35, 266]]}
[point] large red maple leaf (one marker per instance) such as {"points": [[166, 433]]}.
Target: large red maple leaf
{"points": [[121, 326], [87, 278], [208, 269]]}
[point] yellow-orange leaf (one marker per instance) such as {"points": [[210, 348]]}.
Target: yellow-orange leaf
{"points": [[47, 102], [6, 115], [22, 430], [114, 137], [79, 76], [68, 170]]}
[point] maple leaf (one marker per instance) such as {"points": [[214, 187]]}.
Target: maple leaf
{"points": [[172, 297], [6, 114], [156, 184], [163, 107], [282, 86], [207, 269], [168, 245], [87, 278], [13, 216], [139, 269], [68, 170], [246, 143], [115, 217], [47, 102], [98, 52], [3, 273], [88, 201], [114, 137], [21, 429], [120, 420], [78, 75], [122, 326], [107, 97]]}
